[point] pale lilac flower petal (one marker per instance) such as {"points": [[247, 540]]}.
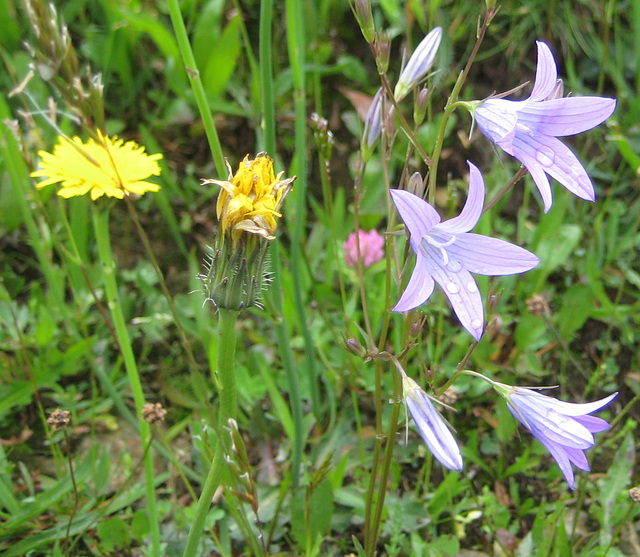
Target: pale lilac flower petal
{"points": [[484, 255], [593, 424], [578, 458], [373, 122], [498, 120], [472, 210], [418, 216], [431, 426], [566, 116], [557, 160], [573, 409], [546, 73], [418, 290], [527, 130], [447, 253], [551, 425], [565, 429], [463, 293], [561, 456]]}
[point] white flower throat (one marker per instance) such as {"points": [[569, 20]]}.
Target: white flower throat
{"points": [[440, 241]]}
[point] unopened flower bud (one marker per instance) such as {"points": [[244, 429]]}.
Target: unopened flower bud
{"points": [[382, 50], [354, 346], [372, 125], [419, 64], [416, 327], [431, 425], [388, 122], [420, 106], [322, 135], [416, 184], [364, 17]]}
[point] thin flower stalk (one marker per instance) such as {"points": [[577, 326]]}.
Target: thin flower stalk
{"points": [[101, 226]]}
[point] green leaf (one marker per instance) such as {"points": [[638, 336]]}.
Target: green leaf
{"points": [[140, 525], [613, 486], [114, 534], [577, 303], [311, 520], [555, 248], [446, 491], [223, 57]]}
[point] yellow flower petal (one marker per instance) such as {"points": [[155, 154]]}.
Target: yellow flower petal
{"points": [[249, 200], [108, 167]]}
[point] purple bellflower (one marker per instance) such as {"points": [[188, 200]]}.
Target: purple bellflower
{"points": [[528, 129], [447, 254], [431, 425], [564, 428]]}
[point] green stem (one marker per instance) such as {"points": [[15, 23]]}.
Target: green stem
{"points": [[227, 409], [101, 226], [266, 84], [296, 35], [266, 77], [196, 85], [386, 463], [451, 105], [184, 340], [373, 505]]}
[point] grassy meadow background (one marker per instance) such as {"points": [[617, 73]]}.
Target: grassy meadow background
{"points": [[310, 400]]}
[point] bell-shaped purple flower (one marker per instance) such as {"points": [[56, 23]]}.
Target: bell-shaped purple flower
{"points": [[565, 429], [431, 426], [528, 129], [447, 254]]}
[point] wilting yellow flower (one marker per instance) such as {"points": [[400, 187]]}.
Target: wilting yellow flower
{"points": [[109, 167], [236, 267], [250, 199]]}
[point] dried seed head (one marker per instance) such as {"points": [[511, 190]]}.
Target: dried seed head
{"points": [[59, 419], [538, 304], [153, 413]]}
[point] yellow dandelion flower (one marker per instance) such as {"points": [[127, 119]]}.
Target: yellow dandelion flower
{"points": [[250, 199], [108, 167]]}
